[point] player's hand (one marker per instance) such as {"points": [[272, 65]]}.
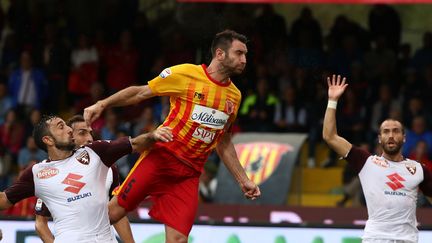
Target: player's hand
{"points": [[92, 113], [336, 86], [251, 190], [163, 134]]}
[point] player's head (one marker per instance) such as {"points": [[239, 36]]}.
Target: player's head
{"points": [[391, 136], [229, 49], [52, 131], [81, 132]]}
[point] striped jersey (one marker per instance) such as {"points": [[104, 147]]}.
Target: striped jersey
{"points": [[201, 110]]}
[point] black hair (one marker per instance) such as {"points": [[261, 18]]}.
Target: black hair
{"points": [[224, 39], [41, 129]]}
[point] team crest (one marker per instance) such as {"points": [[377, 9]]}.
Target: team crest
{"points": [[411, 168], [260, 159], [83, 158], [229, 107]]}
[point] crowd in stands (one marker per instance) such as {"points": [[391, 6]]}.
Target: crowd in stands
{"points": [[49, 66]]}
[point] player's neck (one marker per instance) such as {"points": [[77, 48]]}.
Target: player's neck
{"points": [[217, 72], [57, 154], [395, 158]]}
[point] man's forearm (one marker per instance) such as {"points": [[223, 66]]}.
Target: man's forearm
{"points": [[43, 230], [4, 202], [228, 155], [142, 142], [124, 97], [124, 230]]}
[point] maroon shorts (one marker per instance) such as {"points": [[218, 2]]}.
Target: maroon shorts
{"points": [[171, 185]]}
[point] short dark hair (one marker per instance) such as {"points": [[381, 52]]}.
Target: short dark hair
{"points": [[75, 119], [391, 119], [40, 130], [224, 39]]}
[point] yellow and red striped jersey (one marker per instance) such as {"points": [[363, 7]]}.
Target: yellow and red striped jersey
{"points": [[201, 110]]}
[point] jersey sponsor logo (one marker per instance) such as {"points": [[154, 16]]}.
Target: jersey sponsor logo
{"points": [[209, 117], [199, 96], [38, 206], [165, 73], [203, 135], [47, 173], [75, 185], [78, 197], [395, 181], [411, 168], [229, 107], [83, 158], [380, 162]]}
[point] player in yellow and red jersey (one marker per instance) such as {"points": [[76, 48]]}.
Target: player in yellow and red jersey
{"points": [[204, 103]]}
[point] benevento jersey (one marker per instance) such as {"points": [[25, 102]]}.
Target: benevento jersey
{"points": [[74, 190], [390, 189], [202, 110]]}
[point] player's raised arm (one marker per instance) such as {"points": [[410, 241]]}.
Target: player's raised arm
{"points": [[128, 96], [336, 87]]}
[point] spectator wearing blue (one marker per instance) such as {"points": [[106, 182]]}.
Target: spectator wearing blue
{"points": [[417, 133], [5, 102], [27, 85], [30, 154]]}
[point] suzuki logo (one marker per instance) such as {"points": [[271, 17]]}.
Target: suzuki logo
{"points": [[395, 181], [75, 185]]}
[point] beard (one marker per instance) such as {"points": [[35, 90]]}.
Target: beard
{"points": [[64, 146], [230, 69], [394, 150]]}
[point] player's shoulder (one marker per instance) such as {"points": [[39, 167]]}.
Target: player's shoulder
{"points": [[185, 68]]}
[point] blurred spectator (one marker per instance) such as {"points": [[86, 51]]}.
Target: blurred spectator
{"points": [[418, 132], [307, 23], [257, 110], [344, 55], [415, 108], [291, 114], [10, 54], [112, 125], [122, 63], [382, 108], [5, 101], [380, 61], [27, 85], [31, 121], [84, 72], [423, 56], [97, 92], [385, 20], [30, 154], [352, 118], [146, 122], [12, 133], [270, 26], [53, 56], [208, 179]]}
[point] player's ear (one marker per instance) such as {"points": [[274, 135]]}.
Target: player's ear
{"points": [[47, 140], [220, 54]]}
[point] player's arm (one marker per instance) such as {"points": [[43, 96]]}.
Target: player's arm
{"points": [[124, 230], [340, 145], [42, 229], [19, 190], [128, 96], [4, 202], [145, 141], [228, 155]]}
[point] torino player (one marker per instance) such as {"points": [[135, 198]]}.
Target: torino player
{"points": [[390, 182], [82, 135], [72, 182]]}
